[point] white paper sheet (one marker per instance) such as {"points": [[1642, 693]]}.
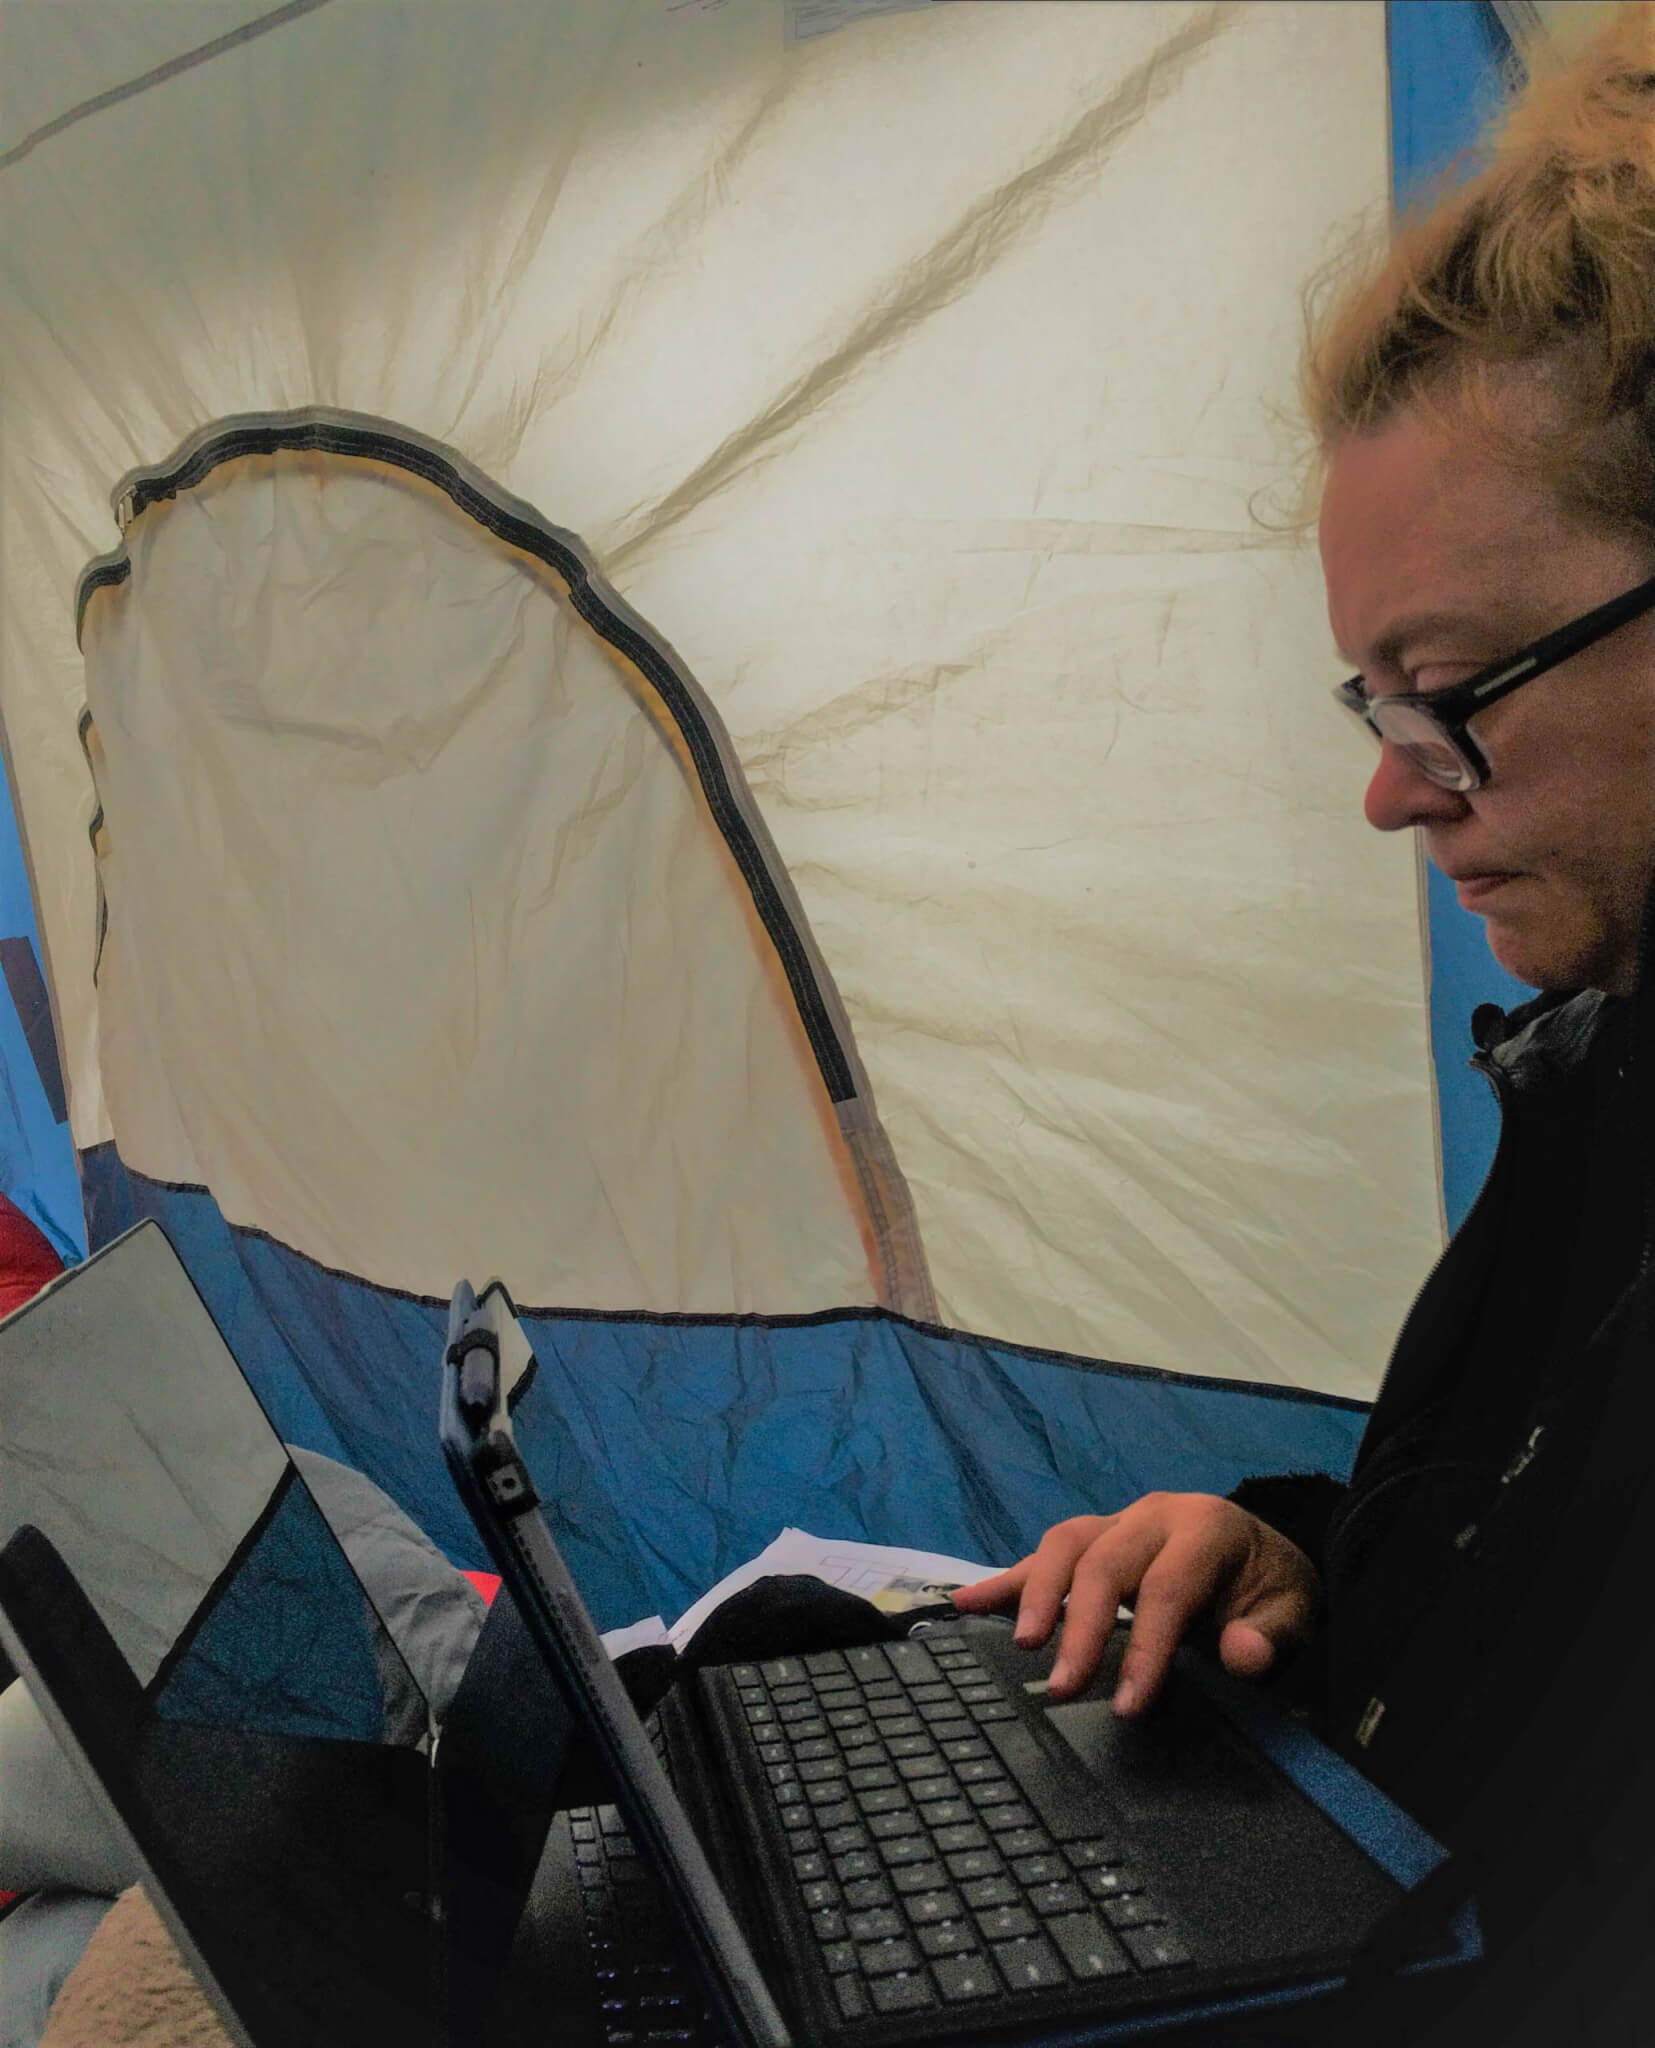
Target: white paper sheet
{"points": [[861, 1568]]}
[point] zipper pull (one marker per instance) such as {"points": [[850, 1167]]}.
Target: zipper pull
{"points": [[1524, 1458]]}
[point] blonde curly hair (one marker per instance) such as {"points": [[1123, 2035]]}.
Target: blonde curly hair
{"points": [[1542, 264]]}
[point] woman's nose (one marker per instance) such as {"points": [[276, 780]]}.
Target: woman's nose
{"points": [[1400, 794]]}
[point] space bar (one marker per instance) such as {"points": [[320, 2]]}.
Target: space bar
{"points": [[1065, 1802]]}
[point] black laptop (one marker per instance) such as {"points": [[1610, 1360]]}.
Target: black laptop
{"points": [[906, 1841]]}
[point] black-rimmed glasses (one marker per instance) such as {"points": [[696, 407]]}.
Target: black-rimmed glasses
{"points": [[1429, 726]]}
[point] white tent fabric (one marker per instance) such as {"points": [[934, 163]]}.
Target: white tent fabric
{"points": [[468, 926], [922, 386]]}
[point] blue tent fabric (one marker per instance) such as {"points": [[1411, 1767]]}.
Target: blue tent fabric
{"points": [[37, 1158], [1450, 64], [668, 1450]]}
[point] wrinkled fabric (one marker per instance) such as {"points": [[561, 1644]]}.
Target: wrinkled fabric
{"points": [[669, 1450], [923, 386]]}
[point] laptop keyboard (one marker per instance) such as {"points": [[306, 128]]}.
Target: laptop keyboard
{"points": [[939, 1859], [648, 1990]]}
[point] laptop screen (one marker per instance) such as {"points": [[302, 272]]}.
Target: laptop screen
{"points": [[129, 1437]]}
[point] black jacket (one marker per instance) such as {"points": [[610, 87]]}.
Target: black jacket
{"points": [[1485, 1653]]}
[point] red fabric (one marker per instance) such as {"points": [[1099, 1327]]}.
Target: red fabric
{"points": [[487, 1584], [27, 1261]]}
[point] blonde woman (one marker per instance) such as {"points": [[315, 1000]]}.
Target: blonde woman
{"points": [[1467, 1618]]}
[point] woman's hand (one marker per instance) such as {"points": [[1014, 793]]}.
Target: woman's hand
{"points": [[1173, 1557]]}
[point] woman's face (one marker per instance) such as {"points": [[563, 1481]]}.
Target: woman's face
{"points": [[1440, 560]]}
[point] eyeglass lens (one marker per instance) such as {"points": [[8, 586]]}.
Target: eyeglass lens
{"points": [[1417, 735]]}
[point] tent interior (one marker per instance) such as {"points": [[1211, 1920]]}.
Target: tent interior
{"points": [[671, 649]]}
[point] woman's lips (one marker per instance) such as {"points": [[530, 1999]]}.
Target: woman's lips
{"points": [[1475, 890]]}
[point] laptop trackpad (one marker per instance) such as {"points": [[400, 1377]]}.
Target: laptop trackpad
{"points": [[1178, 1754]]}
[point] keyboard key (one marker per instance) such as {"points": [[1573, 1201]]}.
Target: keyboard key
{"points": [[798, 1819], [859, 1863], [911, 1662], [1063, 1897], [1113, 1883], [983, 1770], [1039, 1869], [937, 1786], [1088, 1855], [1005, 1819], [883, 1689], [997, 1792], [881, 1958], [1022, 1842], [1003, 1922], [970, 1836], [795, 1711], [904, 1850], [996, 1710], [868, 1661], [903, 1994], [982, 1892], [1088, 1947], [877, 1923], [790, 1695], [925, 1909], [884, 1799], [782, 1671], [922, 1764], [810, 1865], [943, 1813], [826, 1792], [862, 1892], [866, 1777], [848, 1717], [921, 1694], [820, 1661], [828, 1925], [1030, 1965], [816, 1752], [853, 1999], [977, 1695], [839, 1955], [885, 1827], [885, 1711], [952, 1731], [965, 1749], [609, 1820], [759, 1716], [835, 1685], [820, 1892], [790, 1795], [962, 1977], [817, 1771], [838, 1841], [893, 1731], [832, 1816], [1137, 1911], [744, 1674], [805, 1731], [975, 1863], [751, 1695], [905, 1746], [1156, 1948], [771, 1753], [920, 1877], [952, 1938]]}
